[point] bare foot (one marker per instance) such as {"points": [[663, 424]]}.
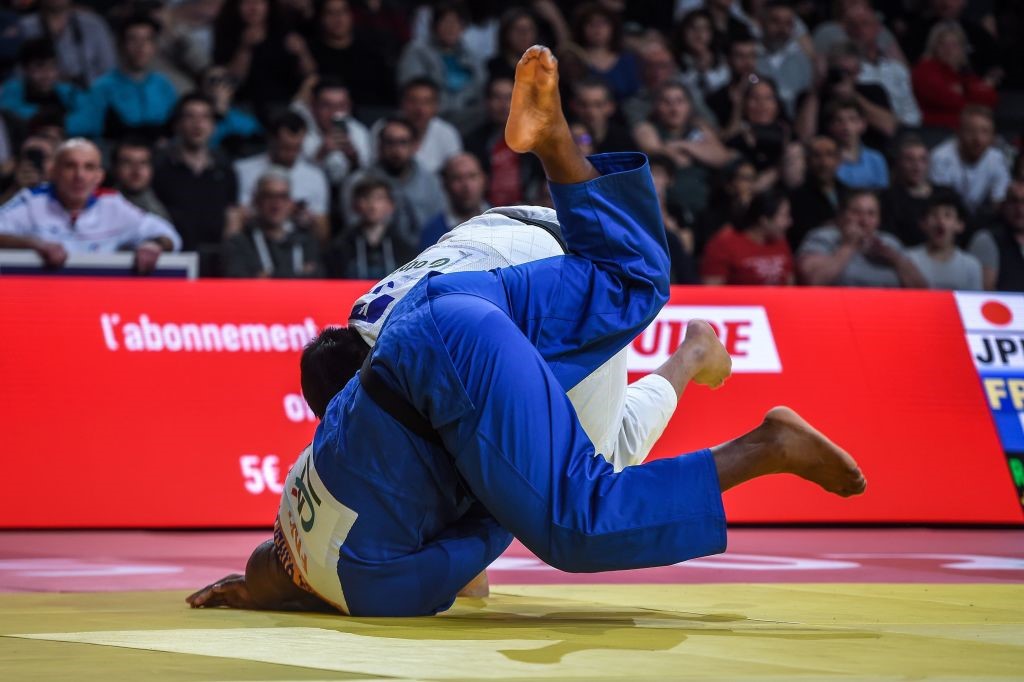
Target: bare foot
{"points": [[706, 353], [535, 115], [807, 453]]}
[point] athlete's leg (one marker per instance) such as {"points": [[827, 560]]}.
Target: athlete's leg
{"points": [[624, 421], [524, 455]]}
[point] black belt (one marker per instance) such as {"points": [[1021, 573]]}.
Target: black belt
{"points": [[396, 404]]}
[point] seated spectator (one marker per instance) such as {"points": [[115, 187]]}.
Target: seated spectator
{"points": [[793, 168], [729, 201], [516, 33], [357, 58], [464, 185], [72, 215], [860, 167], [905, 202], [763, 133], [369, 248], [693, 146], [943, 265], [844, 80], [702, 68], [186, 43], [416, 192], [39, 86], [816, 203], [970, 163], [335, 140], [284, 151], [32, 166], [133, 99], [979, 43], [508, 173], [236, 129], [85, 48], [855, 253], [271, 244], [755, 251], [1000, 246], [593, 103], [436, 140], [598, 31], [132, 162], [783, 59], [197, 184], [942, 82], [828, 34], [678, 235], [251, 38], [881, 67], [657, 67], [724, 102], [445, 60], [727, 23]]}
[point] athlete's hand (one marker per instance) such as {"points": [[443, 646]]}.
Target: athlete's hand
{"points": [[230, 591]]}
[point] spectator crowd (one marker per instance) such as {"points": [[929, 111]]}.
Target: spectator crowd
{"points": [[815, 142]]}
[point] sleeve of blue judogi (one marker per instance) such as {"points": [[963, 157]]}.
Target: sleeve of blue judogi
{"points": [[424, 582], [579, 310]]}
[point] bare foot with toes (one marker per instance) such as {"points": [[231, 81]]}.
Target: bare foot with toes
{"points": [[807, 453], [535, 115]]}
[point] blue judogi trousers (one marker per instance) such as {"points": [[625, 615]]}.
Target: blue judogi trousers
{"points": [[487, 358]]}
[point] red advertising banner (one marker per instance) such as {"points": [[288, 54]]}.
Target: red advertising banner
{"points": [[177, 404]]}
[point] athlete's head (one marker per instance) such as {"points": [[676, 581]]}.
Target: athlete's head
{"points": [[328, 362]]}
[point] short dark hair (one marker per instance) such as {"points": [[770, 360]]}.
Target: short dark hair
{"points": [[842, 104], [397, 120], [190, 98], [446, 7], [592, 82], [852, 194], [329, 362], [286, 120], [764, 204], [369, 184], [588, 10], [419, 82], [134, 20], [130, 142], [494, 80], [328, 83], [946, 197], [664, 162], [35, 51]]}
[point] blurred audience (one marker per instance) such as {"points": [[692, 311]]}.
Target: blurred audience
{"points": [[284, 152], [133, 99], [1000, 246], [905, 201], [782, 57], [73, 215], [943, 81], [860, 167], [754, 251], [236, 129], [435, 140], [763, 132], [855, 252], [464, 186], [271, 244], [197, 184], [445, 61], [598, 30], [702, 66], [82, 39], [593, 104], [32, 165], [816, 203], [970, 162], [724, 102], [335, 140], [940, 261], [132, 162], [678, 235], [370, 247]]}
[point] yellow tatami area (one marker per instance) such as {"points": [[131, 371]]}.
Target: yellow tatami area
{"points": [[539, 632]]}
